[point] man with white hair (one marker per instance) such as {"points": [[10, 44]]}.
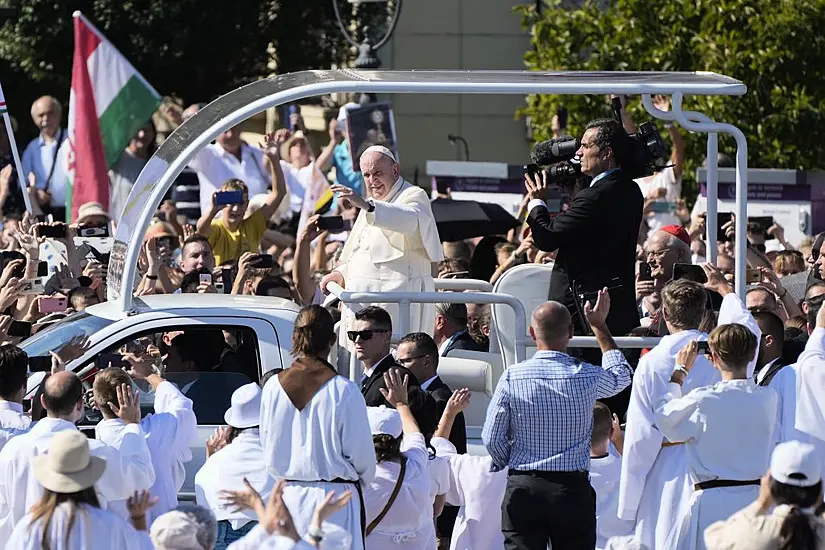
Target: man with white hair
{"points": [[46, 157], [394, 242], [665, 248]]}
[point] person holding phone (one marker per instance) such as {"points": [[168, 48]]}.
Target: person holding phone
{"points": [[665, 248], [235, 232]]}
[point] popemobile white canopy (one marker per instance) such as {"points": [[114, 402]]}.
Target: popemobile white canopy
{"points": [[236, 106]]}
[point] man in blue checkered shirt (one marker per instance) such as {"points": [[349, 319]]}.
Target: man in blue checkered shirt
{"points": [[538, 426]]}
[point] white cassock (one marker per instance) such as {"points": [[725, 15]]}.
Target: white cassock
{"points": [[259, 539], [654, 486], [168, 432], [392, 249], [93, 529], [328, 439], [226, 470], [729, 430], [810, 387], [478, 493], [408, 524], [13, 421], [128, 469], [604, 478]]}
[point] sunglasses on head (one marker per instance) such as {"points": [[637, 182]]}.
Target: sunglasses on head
{"points": [[364, 334]]}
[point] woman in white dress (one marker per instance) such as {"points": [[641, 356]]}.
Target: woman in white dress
{"points": [[68, 516], [398, 503], [242, 458]]}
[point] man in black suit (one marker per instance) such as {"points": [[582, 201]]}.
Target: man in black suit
{"points": [[450, 331], [419, 353], [371, 333], [769, 361], [596, 236]]}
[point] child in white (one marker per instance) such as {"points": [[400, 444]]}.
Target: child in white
{"points": [[605, 471]]}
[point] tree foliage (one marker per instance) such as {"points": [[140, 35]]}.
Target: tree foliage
{"points": [[774, 46], [194, 49]]}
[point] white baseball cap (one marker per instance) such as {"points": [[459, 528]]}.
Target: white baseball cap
{"points": [[795, 463], [245, 411], [384, 421]]}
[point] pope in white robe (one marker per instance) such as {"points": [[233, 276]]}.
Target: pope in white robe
{"points": [[394, 242], [168, 433], [654, 486]]}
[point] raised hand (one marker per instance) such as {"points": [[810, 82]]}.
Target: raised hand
{"points": [[459, 401], [687, 355], [271, 146], [128, 407], [217, 441], [345, 192], [396, 392], [538, 188], [329, 506], [597, 316], [248, 499]]}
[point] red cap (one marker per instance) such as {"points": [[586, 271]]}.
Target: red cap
{"points": [[677, 231]]}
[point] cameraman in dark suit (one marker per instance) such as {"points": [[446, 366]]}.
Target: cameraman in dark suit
{"points": [[596, 236]]}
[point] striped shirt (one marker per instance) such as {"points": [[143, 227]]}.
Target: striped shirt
{"points": [[541, 415]]}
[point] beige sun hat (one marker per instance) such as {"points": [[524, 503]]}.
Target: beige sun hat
{"points": [[89, 209], [69, 466]]}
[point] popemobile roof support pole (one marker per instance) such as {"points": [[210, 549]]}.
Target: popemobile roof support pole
{"points": [[712, 169], [741, 185]]}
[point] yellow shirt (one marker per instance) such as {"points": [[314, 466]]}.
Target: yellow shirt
{"points": [[229, 245]]}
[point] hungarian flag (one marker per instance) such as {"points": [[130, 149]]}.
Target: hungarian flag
{"points": [[110, 101], [3, 108]]}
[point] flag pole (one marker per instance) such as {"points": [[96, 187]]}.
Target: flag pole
{"points": [[21, 178]]}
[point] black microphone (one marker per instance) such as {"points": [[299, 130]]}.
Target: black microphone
{"points": [[554, 150]]}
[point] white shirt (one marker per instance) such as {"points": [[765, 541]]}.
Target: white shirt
{"points": [[226, 470], [604, 478], [810, 387], [427, 383], [408, 523], [13, 421], [478, 493], [664, 179], [297, 180], [259, 539], [38, 158], [760, 375], [93, 529], [214, 166], [128, 469], [168, 433]]}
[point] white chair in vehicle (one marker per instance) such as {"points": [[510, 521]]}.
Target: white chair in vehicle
{"points": [[530, 283], [477, 376]]}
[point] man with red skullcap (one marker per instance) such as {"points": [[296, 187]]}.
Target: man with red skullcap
{"points": [[668, 246]]}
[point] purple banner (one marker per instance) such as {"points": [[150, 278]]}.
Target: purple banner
{"points": [[764, 192]]}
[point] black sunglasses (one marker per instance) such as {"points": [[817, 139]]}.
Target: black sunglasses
{"points": [[364, 334]]}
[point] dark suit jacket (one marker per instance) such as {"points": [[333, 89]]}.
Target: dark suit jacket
{"points": [[772, 370], [596, 242], [441, 392], [371, 387], [466, 342]]}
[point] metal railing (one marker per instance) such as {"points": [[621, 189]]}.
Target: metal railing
{"points": [[404, 299], [462, 285]]}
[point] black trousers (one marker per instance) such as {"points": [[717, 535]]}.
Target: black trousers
{"points": [[555, 507]]}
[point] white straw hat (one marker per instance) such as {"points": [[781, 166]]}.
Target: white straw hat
{"points": [[245, 411], [384, 421], [68, 467]]}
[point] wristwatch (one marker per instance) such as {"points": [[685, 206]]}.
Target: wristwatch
{"points": [[371, 207]]}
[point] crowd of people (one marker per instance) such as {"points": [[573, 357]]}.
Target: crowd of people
{"points": [[712, 438]]}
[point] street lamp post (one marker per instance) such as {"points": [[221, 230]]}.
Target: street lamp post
{"points": [[376, 20]]}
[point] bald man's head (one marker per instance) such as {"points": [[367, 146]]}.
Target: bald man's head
{"points": [[61, 394], [551, 326], [46, 113]]}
